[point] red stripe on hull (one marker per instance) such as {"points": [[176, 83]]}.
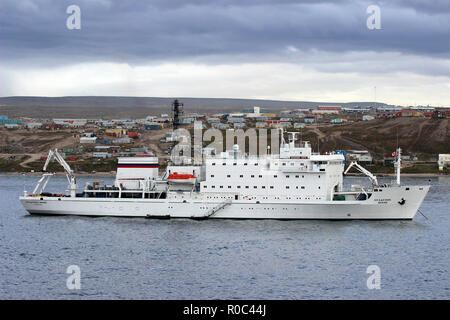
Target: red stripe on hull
{"points": [[137, 166]]}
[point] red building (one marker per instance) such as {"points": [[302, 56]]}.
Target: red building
{"points": [[330, 108]]}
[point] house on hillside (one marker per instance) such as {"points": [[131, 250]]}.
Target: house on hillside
{"points": [[444, 161]]}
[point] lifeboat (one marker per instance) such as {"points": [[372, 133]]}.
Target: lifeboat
{"points": [[181, 178]]}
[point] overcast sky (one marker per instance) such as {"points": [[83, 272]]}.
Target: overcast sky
{"points": [[314, 50]]}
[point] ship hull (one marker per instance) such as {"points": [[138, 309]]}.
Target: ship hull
{"points": [[384, 205]]}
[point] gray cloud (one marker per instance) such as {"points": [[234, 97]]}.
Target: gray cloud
{"points": [[149, 31]]}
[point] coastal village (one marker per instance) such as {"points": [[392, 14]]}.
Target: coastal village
{"points": [[93, 145]]}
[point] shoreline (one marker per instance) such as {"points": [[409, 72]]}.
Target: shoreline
{"points": [[83, 174]]}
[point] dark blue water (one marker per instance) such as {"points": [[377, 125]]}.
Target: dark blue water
{"points": [[222, 259]]}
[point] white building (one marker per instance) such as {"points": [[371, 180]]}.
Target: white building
{"points": [[88, 140], [239, 125], [299, 125], [444, 161], [361, 156], [367, 117], [124, 140], [34, 125], [101, 155], [260, 125], [71, 122], [213, 120], [12, 126]]}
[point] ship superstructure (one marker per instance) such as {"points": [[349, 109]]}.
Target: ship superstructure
{"points": [[293, 184]]}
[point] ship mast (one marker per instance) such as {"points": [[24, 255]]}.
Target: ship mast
{"points": [[398, 165]]}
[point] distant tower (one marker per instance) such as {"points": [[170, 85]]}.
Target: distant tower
{"points": [[177, 109]]}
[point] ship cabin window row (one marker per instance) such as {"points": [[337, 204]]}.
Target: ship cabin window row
{"points": [[261, 176], [235, 164], [254, 187]]}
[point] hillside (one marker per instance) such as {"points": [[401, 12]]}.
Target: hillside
{"points": [[136, 107], [418, 136]]}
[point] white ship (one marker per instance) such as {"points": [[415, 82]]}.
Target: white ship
{"points": [[294, 184]]}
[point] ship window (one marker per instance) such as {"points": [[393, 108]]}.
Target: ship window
{"points": [[213, 163], [228, 176], [212, 176], [260, 176], [252, 176], [275, 176], [234, 164], [224, 164], [221, 187], [296, 176], [213, 187], [245, 164], [303, 187], [205, 187], [238, 187], [292, 163], [284, 163], [271, 187], [241, 176], [287, 187], [229, 187], [287, 176], [256, 164], [319, 176], [255, 187], [263, 187], [319, 187], [246, 187]]}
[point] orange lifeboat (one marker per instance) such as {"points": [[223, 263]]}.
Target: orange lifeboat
{"points": [[181, 178]]}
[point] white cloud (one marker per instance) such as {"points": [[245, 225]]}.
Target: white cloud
{"points": [[280, 81]]}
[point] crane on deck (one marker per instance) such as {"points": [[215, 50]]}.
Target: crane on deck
{"points": [[55, 155], [362, 170]]}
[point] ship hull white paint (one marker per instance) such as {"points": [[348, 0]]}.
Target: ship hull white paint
{"points": [[381, 205]]}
